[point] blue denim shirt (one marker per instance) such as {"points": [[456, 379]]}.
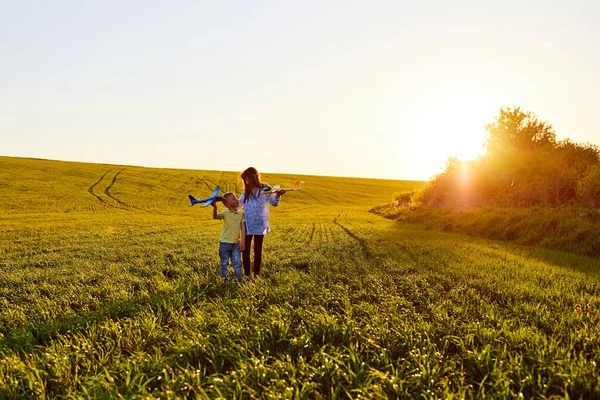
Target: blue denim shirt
{"points": [[256, 211]]}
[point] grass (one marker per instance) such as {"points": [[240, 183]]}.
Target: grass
{"points": [[571, 229], [113, 292]]}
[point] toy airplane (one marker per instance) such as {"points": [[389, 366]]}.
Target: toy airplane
{"points": [[266, 189], [208, 201]]}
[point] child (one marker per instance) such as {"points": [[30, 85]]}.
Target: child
{"points": [[256, 211], [230, 244]]}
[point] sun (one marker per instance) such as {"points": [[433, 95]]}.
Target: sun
{"points": [[450, 126], [463, 137]]}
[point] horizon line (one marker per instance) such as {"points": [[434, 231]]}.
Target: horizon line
{"points": [[214, 170]]}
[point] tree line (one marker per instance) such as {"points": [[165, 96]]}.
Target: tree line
{"points": [[524, 166]]}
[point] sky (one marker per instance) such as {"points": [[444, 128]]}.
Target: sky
{"points": [[377, 89]]}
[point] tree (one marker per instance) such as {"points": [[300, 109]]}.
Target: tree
{"points": [[588, 188], [517, 129], [566, 165], [524, 166]]}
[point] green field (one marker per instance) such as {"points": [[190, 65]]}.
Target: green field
{"points": [[110, 289]]}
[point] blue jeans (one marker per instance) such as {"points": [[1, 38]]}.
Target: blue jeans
{"points": [[230, 251]]}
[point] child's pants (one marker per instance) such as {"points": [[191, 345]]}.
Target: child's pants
{"points": [[230, 251]]}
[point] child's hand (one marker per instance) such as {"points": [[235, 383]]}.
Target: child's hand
{"points": [[242, 246], [214, 204], [280, 193]]}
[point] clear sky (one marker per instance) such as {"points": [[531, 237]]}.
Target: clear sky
{"points": [[383, 89]]}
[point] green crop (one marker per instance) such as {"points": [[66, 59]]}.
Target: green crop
{"points": [[110, 289]]}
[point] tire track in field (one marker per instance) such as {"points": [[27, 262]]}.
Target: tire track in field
{"points": [[306, 235], [91, 189], [215, 184], [362, 242], [207, 180], [106, 204], [107, 191], [221, 180], [175, 198], [312, 198], [163, 183], [173, 190], [177, 190], [203, 180]]}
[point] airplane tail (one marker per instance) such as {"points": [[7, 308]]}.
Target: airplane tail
{"points": [[193, 200], [294, 187]]}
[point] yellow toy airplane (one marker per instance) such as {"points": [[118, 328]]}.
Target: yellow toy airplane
{"points": [[266, 189]]}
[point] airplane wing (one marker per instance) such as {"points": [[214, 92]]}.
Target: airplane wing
{"points": [[208, 201], [268, 189]]}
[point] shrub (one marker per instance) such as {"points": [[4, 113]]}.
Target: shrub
{"points": [[588, 188]]}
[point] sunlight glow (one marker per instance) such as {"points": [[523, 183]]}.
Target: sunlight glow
{"points": [[450, 126]]}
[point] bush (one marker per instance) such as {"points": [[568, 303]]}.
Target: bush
{"points": [[588, 189]]}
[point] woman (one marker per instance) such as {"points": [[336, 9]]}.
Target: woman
{"points": [[256, 210]]}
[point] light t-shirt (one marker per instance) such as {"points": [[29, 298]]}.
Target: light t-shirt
{"points": [[232, 220]]}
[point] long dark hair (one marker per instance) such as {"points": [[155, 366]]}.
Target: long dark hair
{"points": [[254, 182]]}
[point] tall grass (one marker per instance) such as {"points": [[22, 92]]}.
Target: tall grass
{"points": [[571, 229]]}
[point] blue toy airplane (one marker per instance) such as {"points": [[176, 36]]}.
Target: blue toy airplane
{"points": [[208, 201]]}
